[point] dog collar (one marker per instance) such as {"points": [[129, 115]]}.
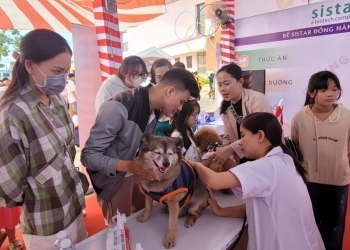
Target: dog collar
{"points": [[213, 145]]}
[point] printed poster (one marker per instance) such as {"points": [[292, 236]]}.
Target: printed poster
{"points": [[293, 44]]}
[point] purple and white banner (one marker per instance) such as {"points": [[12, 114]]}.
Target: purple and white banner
{"points": [[292, 44]]}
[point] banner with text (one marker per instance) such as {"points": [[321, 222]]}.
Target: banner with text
{"points": [[87, 76], [293, 44]]}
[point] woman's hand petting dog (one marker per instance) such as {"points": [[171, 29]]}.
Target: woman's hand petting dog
{"points": [[194, 164], [222, 154], [135, 168]]}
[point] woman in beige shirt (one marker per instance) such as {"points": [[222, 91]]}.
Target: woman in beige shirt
{"points": [[237, 103]]}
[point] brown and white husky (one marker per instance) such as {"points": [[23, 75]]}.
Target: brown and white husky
{"points": [[178, 187]]}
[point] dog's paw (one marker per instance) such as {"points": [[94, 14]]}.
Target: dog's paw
{"points": [[169, 242], [143, 217], [190, 222], [164, 210]]}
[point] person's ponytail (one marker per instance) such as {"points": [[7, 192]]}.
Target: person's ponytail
{"points": [[300, 169]]}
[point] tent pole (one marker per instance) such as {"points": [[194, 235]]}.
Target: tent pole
{"points": [[228, 54], [108, 37]]}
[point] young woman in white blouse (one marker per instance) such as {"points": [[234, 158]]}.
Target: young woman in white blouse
{"points": [[278, 206]]}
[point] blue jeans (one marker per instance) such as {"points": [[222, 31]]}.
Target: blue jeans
{"points": [[329, 205]]}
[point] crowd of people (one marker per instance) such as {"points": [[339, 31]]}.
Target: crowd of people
{"points": [[288, 204]]}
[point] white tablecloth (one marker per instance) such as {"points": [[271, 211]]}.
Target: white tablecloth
{"points": [[209, 233]]}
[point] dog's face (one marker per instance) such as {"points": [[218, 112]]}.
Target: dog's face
{"points": [[204, 136], [158, 154]]}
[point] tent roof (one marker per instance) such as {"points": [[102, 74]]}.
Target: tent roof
{"points": [[59, 14]]}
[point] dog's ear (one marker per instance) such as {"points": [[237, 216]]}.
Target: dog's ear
{"points": [[146, 138], [144, 143], [179, 143]]}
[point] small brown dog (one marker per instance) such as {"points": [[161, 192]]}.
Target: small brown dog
{"points": [[207, 138], [177, 186]]}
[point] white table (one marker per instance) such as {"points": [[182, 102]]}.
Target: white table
{"points": [[209, 233], [217, 124]]}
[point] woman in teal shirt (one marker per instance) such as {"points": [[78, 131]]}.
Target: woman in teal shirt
{"points": [[159, 67]]}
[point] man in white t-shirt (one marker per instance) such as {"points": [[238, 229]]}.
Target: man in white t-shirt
{"points": [[71, 91]]}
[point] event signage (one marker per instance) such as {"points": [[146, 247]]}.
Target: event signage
{"points": [[291, 45]]}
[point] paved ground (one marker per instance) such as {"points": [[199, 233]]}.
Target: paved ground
{"points": [[205, 103]]}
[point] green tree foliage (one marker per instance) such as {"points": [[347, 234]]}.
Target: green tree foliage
{"points": [[9, 42]]}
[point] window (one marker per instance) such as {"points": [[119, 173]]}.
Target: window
{"points": [[177, 59], [200, 14], [202, 62], [188, 61], [126, 46]]}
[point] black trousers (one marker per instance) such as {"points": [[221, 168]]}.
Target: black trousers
{"points": [[329, 205]]}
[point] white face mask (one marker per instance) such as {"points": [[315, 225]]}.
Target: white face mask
{"points": [[137, 82]]}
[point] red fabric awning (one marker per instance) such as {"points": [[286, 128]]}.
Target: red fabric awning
{"points": [[59, 14]]}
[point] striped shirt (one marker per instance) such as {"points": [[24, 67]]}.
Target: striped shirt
{"points": [[36, 172]]}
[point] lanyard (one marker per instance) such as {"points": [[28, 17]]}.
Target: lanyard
{"points": [[56, 131]]}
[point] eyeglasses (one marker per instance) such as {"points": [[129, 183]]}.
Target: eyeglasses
{"points": [[195, 116], [136, 76]]}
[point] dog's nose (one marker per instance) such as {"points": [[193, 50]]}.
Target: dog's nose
{"points": [[166, 164]]}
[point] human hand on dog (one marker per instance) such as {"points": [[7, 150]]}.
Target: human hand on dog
{"points": [[214, 205], [193, 163], [135, 168], [222, 154]]}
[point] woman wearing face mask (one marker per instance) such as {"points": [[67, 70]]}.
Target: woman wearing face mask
{"points": [[37, 144], [237, 103], [132, 73], [159, 68]]}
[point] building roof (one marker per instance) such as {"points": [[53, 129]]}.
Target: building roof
{"points": [[153, 52]]}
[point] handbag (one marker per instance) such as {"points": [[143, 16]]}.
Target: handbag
{"points": [[84, 181], [293, 148]]}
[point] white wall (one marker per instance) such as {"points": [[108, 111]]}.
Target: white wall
{"points": [[160, 31], [183, 59]]}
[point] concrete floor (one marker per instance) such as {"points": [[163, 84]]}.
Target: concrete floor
{"points": [[205, 103]]}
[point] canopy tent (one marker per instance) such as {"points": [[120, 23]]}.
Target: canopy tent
{"points": [[59, 14], [150, 55]]}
